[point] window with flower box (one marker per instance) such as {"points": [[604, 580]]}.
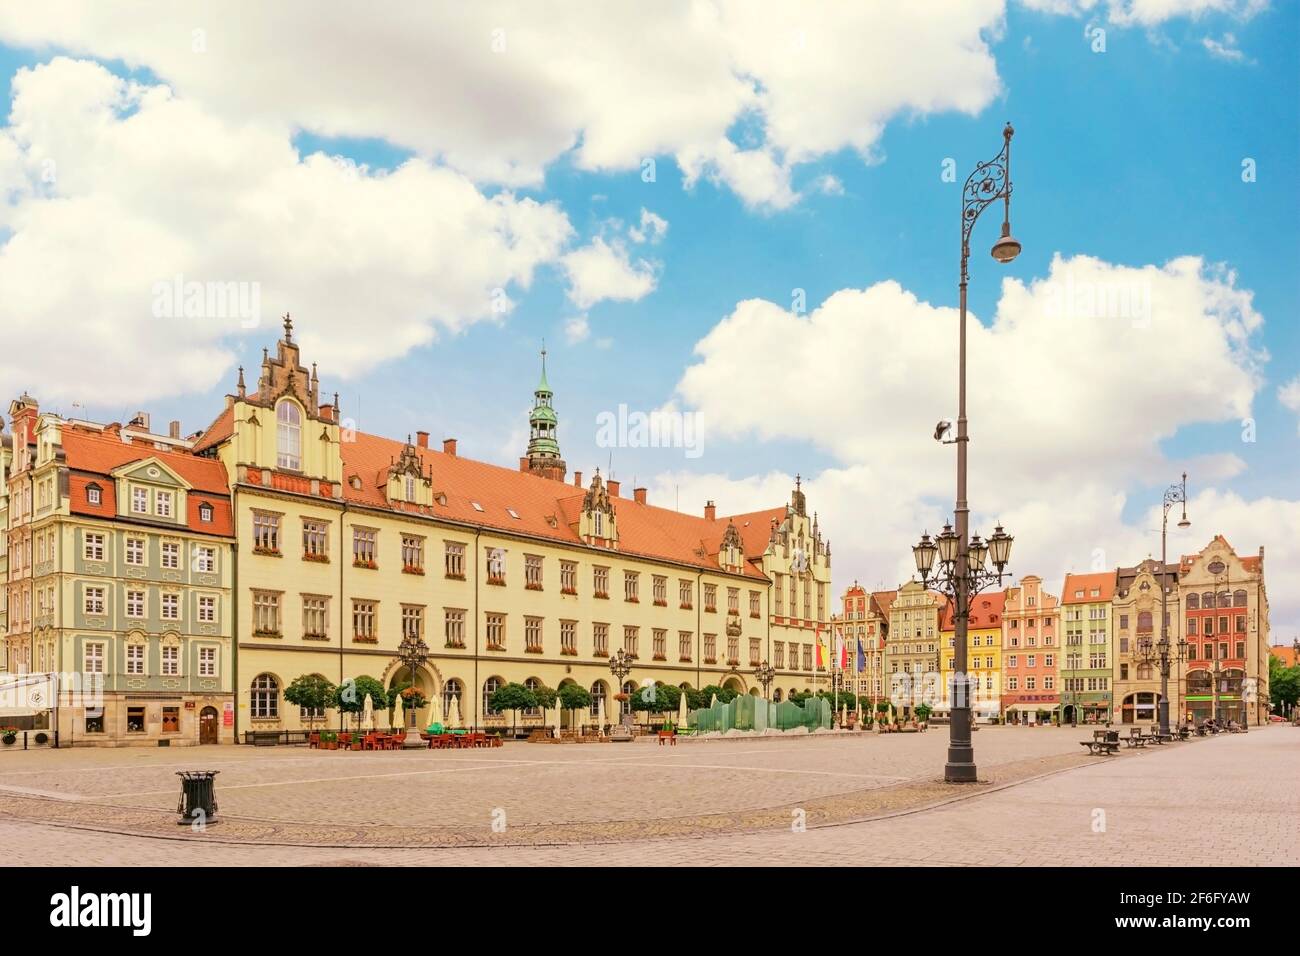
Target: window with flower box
{"points": [[412, 554], [753, 651], [532, 572], [315, 541], [710, 648], [568, 577], [778, 654], [711, 598], [631, 586], [733, 650], [569, 638], [453, 626], [266, 614], [364, 621], [496, 566], [453, 559], [266, 532], [685, 593], [733, 600], [532, 635], [631, 633], [496, 631], [660, 587], [364, 541], [600, 639], [659, 643], [685, 640], [754, 604], [315, 617], [600, 582]]}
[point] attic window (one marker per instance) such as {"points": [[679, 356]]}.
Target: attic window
{"points": [[513, 513], [477, 506], [205, 512], [93, 494], [441, 499], [356, 482]]}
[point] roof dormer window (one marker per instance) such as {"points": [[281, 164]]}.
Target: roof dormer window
{"points": [[205, 513], [94, 495]]}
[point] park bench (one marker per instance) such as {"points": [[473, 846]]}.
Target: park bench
{"points": [[1157, 736], [669, 736], [1104, 743], [1135, 738]]}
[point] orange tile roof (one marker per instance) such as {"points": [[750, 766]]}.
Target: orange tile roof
{"points": [[986, 611], [1104, 580], [548, 508], [93, 456], [883, 600], [221, 429], [1285, 653]]}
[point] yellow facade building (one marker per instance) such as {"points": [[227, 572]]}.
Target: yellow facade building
{"points": [[983, 655], [347, 541]]}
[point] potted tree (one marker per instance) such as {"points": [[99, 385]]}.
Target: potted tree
{"points": [[350, 696], [573, 697], [514, 698], [312, 693]]}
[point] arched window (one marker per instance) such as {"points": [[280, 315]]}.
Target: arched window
{"points": [[599, 524], [264, 702], [776, 695], [451, 691], [490, 687], [1225, 599], [629, 691], [1193, 602], [598, 693], [288, 435], [1207, 599], [532, 684], [1239, 598]]}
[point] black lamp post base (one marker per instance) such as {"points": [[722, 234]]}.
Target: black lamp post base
{"points": [[960, 767]]}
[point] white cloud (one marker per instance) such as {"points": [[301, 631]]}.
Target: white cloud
{"points": [[1073, 388], [577, 329], [1224, 49], [501, 90], [651, 229], [1289, 396], [114, 187], [604, 270], [1151, 13]]}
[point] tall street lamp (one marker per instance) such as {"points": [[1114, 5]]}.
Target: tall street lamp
{"points": [[620, 665], [963, 573], [1174, 494], [412, 652], [765, 674]]}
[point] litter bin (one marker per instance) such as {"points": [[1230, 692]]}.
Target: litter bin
{"points": [[198, 796]]}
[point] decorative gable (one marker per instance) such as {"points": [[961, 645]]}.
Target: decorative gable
{"points": [[598, 523], [405, 479], [731, 556]]}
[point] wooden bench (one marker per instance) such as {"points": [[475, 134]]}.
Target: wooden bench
{"points": [[1135, 739], [1104, 743], [669, 736]]}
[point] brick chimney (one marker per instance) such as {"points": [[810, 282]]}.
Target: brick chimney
{"points": [[577, 479], [174, 429], [523, 463], [613, 488], [710, 511], [422, 439], [449, 447], [639, 495]]}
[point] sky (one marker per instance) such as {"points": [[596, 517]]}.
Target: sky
{"points": [[743, 218]]}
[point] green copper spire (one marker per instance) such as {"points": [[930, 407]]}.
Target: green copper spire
{"points": [[542, 444]]}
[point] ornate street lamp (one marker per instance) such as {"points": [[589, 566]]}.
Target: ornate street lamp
{"points": [[412, 652], [765, 674], [1174, 494], [963, 571]]}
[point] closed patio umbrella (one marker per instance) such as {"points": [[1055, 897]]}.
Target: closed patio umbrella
{"points": [[453, 718], [713, 702], [844, 715], [368, 713], [600, 717], [683, 714], [399, 713], [557, 720]]}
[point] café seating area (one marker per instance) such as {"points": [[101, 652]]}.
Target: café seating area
{"points": [[376, 740]]}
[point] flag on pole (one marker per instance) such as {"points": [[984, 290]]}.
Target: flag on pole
{"points": [[842, 651], [862, 658], [821, 648]]}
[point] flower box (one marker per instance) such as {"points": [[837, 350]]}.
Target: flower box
{"points": [[411, 569], [269, 552], [569, 651], [632, 600], [370, 565], [454, 577], [317, 558], [661, 603], [601, 595], [258, 632], [365, 639], [660, 657], [532, 587], [532, 650], [710, 660], [686, 607], [496, 647], [455, 645], [315, 637], [498, 581], [572, 591]]}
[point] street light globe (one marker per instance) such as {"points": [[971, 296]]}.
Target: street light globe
{"points": [[1007, 247]]}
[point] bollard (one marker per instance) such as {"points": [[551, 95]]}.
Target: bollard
{"points": [[198, 796]]}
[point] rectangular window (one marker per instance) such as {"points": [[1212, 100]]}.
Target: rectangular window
{"points": [[754, 604], [778, 654], [600, 639], [660, 585], [363, 547], [135, 659], [630, 635], [363, 621], [496, 632], [533, 635], [733, 600], [412, 554], [568, 637], [266, 613], [92, 547], [140, 501], [135, 551], [171, 660], [532, 572], [315, 617], [1049, 682], [631, 586], [710, 648], [207, 609], [600, 582], [659, 643], [135, 720], [684, 639], [753, 651], [1030, 683], [205, 559], [266, 533], [779, 610], [315, 540], [93, 496], [568, 577], [454, 560], [413, 621], [807, 657], [496, 565], [171, 606], [162, 504], [94, 600], [135, 604], [453, 626], [171, 555], [207, 662], [685, 594]]}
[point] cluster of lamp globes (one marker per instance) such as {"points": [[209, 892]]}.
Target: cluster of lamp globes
{"points": [[978, 553]]}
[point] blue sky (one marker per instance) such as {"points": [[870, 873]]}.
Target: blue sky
{"points": [[1132, 156]]}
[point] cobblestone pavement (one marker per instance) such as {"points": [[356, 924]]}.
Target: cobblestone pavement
{"points": [[1230, 800]]}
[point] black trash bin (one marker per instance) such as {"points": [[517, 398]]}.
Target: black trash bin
{"points": [[198, 793]]}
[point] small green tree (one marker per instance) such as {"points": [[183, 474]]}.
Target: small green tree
{"points": [[574, 697], [1283, 685], [512, 697], [350, 696], [311, 692], [923, 712]]}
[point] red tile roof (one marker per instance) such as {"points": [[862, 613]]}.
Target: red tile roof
{"points": [[985, 611], [547, 508], [92, 456], [1102, 580], [883, 600], [1285, 653], [221, 429]]}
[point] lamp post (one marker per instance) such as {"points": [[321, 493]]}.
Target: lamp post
{"points": [[1174, 494], [963, 573], [765, 674], [620, 665], [412, 652]]}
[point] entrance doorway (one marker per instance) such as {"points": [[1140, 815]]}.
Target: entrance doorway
{"points": [[208, 725]]}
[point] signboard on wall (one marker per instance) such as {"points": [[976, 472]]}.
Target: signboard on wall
{"points": [[228, 714]]}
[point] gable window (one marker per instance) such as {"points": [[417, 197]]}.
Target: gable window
{"points": [[162, 504], [140, 501], [288, 436]]}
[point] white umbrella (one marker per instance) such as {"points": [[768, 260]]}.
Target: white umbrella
{"points": [[399, 713], [454, 717], [683, 715], [714, 701], [368, 713], [600, 717], [557, 720], [844, 716]]}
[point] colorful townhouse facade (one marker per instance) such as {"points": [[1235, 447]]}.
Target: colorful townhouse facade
{"points": [[1141, 594], [1031, 650], [864, 621], [1087, 657], [912, 649], [984, 658], [120, 546], [348, 542]]}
